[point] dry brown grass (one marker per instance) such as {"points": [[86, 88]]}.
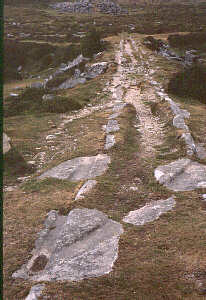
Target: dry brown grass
{"points": [[155, 260]]}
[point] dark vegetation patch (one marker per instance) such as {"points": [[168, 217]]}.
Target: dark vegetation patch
{"points": [[15, 164], [91, 43], [194, 40], [34, 57], [189, 83], [153, 44], [30, 101], [39, 263]]}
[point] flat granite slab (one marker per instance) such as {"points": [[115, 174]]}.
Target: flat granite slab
{"points": [[150, 212], [182, 175], [81, 245], [79, 168]]}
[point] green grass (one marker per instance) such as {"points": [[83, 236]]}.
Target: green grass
{"points": [[47, 185]]}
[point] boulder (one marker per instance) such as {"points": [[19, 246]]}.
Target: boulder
{"points": [[150, 212], [79, 168], [182, 175], [81, 245]]}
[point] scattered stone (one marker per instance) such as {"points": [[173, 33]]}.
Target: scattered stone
{"points": [[133, 188], [204, 197], [149, 212], [22, 179], [85, 189], [81, 245], [80, 168], [112, 126], [50, 137], [14, 95], [31, 162], [182, 175], [110, 141], [48, 97], [6, 143], [35, 292], [10, 188], [19, 68]]}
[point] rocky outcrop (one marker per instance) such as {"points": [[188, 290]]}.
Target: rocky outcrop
{"points": [[79, 168], [91, 71], [182, 175], [95, 70], [81, 245], [164, 49], [150, 212]]}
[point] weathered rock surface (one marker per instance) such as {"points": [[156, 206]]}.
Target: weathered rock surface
{"points": [[182, 175], [149, 212], [85, 189], [112, 126], [191, 148], [81, 245], [6, 143], [80, 168], [178, 122], [35, 292], [110, 141]]}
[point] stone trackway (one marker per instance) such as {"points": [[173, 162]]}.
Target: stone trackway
{"points": [[151, 130], [150, 127]]}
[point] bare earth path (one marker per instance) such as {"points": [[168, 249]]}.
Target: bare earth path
{"points": [[150, 127]]}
